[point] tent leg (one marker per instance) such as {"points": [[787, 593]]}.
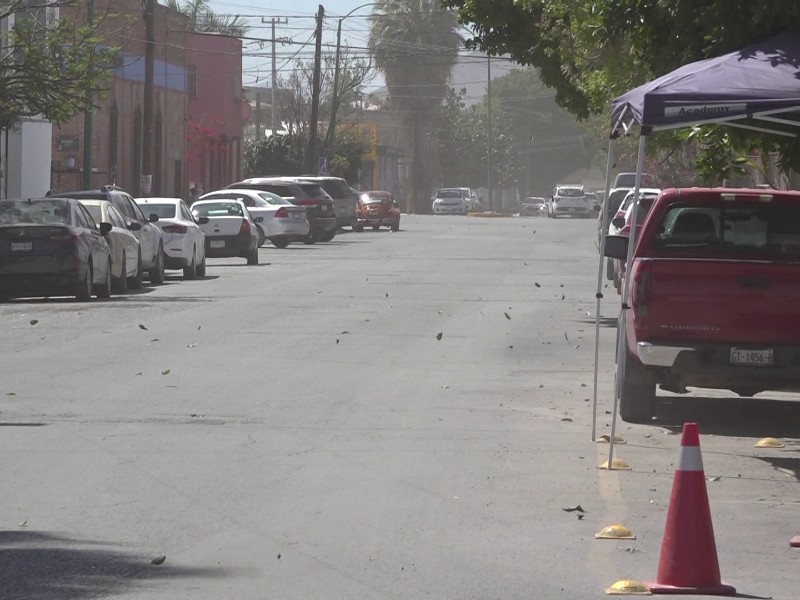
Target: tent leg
{"points": [[599, 293]]}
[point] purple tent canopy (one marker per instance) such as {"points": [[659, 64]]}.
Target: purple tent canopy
{"points": [[761, 79]]}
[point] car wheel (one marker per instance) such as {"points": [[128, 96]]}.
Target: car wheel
{"points": [[252, 256], [201, 268], [637, 393], [280, 241], [261, 237], [358, 228], [157, 272], [328, 235], [190, 272], [121, 282], [135, 282], [84, 292], [311, 238], [396, 226], [104, 290]]}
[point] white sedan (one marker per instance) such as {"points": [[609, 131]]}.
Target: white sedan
{"points": [[126, 257], [277, 219], [184, 240]]}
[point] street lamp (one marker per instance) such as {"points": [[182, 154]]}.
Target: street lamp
{"points": [[335, 103]]}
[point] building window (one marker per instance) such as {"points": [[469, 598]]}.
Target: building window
{"points": [[191, 81]]}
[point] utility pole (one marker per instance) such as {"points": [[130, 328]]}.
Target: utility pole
{"points": [[274, 82], [311, 158], [331, 135], [88, 119], [489, 130], [146, 185]]}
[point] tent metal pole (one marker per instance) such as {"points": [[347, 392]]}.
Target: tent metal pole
{"points": [[599, 294], [626, 288]]}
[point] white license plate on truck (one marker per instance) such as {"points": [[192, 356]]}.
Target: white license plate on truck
{"points": [[217, 243], [752, 358]]}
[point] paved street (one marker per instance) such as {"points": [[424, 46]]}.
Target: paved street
{"points": [[296, 431]]}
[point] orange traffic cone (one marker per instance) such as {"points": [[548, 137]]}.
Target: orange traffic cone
{"points": [[688, 563]]}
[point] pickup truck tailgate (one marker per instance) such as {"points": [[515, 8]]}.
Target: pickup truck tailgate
{"points": [[723, 301]]}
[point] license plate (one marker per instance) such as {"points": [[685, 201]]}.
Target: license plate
{"points": [[217, 243], [21, 246], [297, 216], [752, 358]]}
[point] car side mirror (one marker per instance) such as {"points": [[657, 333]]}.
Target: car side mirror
{"points": [[618, 222], [616, 247], [258, 220], [134, 226], [105, 228], [202, 220], [153, 218]]}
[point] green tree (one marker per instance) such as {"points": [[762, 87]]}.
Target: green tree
{"points": [[202, 19], [590, 51], [415, 44], [275, 155], [48, 65]]}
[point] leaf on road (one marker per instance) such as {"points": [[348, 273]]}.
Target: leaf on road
{"points": [[565, 336], [337, 340], [715, 478], [511, 347], [508, 316], [142, 327], [536, 283], [198, 327], [158, 560], [11, 394], [567, 419], [155, 340], [345, 332], [563, 296], [139, 373], [439, 335], [34, 321], [23, 524], [576, 508], [192, 346], [165, 372], [387, 294]]}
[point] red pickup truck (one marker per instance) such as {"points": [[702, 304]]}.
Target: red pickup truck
{"points": [[714, 300]]}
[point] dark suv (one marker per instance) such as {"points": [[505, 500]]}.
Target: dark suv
{"points": [[311, 196], [151, 245], [344, 200]]}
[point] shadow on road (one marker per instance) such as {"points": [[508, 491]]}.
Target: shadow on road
{"points": [[786, 464], [731, 416], [40, 566]]}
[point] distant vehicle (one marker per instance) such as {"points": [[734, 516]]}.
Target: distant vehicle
{"points": [[533, 206], [281, 222], [451, 201], [149, 235], [230, 230], [126, 257], [344, 201], [310, 195], [629, 180], [569, 199], [51, 247], [377, 209], [184, 240]]}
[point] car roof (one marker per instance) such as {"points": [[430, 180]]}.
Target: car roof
{"points": [[243, 191], [159, 200], [208, 200]]}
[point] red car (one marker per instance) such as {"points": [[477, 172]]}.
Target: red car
{"points": [[375, 209]]}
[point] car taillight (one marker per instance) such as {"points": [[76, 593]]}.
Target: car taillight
{"points": [[175, 228], [245, 228], [640, 291], [281, 213], [64, 240]]}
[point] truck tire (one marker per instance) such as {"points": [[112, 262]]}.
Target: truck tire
{"points": [[637, 393]]}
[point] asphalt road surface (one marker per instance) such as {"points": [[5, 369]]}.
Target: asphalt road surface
{"points": [[387, 416]]}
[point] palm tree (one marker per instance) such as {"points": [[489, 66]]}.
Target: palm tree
{"points": [[202, 18], [415, 44]]}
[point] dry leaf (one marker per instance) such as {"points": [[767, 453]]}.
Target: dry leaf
{"points": [[439, 335], [165, 372], [142, 327]]}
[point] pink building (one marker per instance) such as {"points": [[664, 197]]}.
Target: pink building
{"points": [[216, 111]]}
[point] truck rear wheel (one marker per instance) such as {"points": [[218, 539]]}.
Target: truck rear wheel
{"points": [[637, 393]]}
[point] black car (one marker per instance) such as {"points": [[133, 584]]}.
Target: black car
{"points": [[148, 234], [52, 247], [345, 202], [311, 196]]}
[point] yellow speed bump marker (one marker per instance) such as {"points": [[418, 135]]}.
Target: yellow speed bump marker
{"points": [[628, 587], [616, 464], [769, 442], [614, 532], [606, 439]]}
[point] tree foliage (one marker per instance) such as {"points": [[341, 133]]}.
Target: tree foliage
{"points": [[591, 51], [48, 65], [201, 18]]}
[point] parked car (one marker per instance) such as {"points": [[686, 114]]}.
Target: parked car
{"points": [[450, 201], [615, 198], [629, 180], [277, 219], [714, 282], [50, 247], [569, 199], [645, 204], [149, 235], [126, 259], [230, 230], [376, 209], [311, 196], [184, 240], [619, 216], [533, 206], [344, 201]]}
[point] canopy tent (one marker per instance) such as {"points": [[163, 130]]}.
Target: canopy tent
{"points": [[739, 89]]}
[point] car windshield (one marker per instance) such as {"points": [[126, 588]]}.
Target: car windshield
{"points": [[337, 188], [376, 198], [570, 192], [615, 200], [314, 190], [743, 230], [218, 209], [164, 211], [41, 212], [448, 194]]}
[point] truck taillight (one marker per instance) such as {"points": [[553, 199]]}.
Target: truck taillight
{"points": [[640, 292], [245, 228]]}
